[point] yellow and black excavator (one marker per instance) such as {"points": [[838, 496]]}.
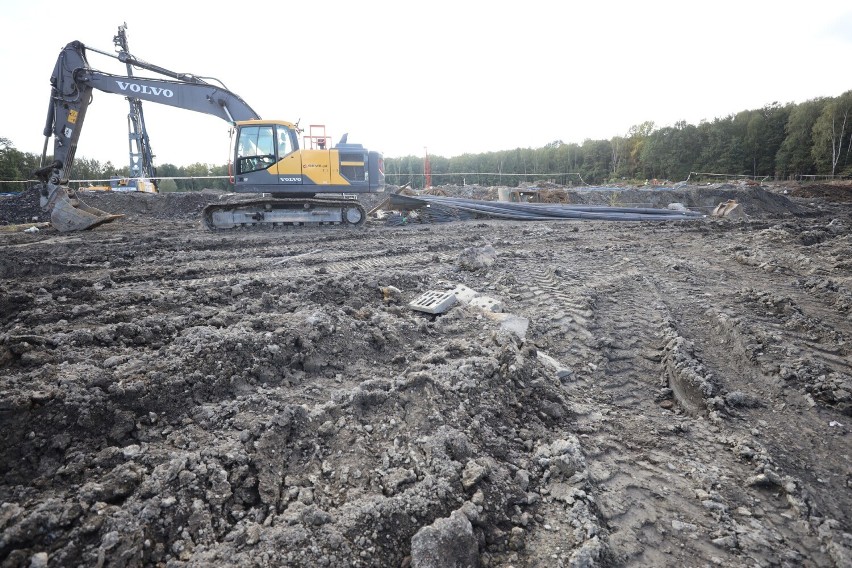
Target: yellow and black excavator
{"points": [[266, 158]]}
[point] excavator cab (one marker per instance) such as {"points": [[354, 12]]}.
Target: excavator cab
{"points": [[268, 159]]}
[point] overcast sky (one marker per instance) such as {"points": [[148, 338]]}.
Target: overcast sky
{"points": [[452, 76]]}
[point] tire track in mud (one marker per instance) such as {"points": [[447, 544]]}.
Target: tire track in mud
{"points": [[670, 486], [276, 275], [272, 261], [138, 273], [696, 489], [567, 313], [758, 342], [780, 351]]}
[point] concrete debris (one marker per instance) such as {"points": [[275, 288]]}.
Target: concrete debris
{"points": [[487, 304], [446, 543], [477, 258], [561, 371], [434, 302], [516, 325], [464, 294]]}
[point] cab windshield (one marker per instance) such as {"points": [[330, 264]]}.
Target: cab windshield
{"points": [[259, 147], [255, 148]]}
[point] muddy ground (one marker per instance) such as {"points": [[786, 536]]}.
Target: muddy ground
{"points": [[647, 394]]}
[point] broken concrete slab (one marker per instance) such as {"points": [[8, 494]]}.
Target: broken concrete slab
{"points": [[464, 294], [487, 304]]}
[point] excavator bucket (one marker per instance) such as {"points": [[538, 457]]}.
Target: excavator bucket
{"points": [[71, 214], [729, 209]]}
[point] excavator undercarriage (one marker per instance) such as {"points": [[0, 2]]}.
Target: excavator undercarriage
{"points": [[278, 212]]}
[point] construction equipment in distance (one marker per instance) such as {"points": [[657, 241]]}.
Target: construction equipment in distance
{"points": [[143, 174], [118, 183], [265, 157]]}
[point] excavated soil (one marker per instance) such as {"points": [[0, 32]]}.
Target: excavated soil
{"points": [[619, 394]]}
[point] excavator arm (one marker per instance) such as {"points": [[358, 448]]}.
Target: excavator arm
{"points": [[72, 83]]}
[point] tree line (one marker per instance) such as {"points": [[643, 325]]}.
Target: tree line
{"points": [[789, 141], [17, 167]]}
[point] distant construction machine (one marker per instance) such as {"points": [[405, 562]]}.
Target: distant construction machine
{"points": [[143, 174], [265, 157]]}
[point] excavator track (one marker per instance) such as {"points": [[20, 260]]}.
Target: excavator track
{"points": [[257, 213]]}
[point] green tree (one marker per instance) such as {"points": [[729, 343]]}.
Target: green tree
{"points": [[10, 160], [197, 172], [722, 145], [795, 156], [671, 152], [222, 181], [167, 186], [830, 131], [16, 167], [569, 159], [618, 164], [764, 136], [172, 171], [88, 169], [405, 170], [637, 137], [597, 158]]}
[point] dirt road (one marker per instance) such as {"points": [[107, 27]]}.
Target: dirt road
{"points": [[651, 394]]}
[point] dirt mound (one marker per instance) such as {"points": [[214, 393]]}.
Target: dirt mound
{"points": [[22, 207], [757, 201], [839, 192], [252, 453], [175, 206]]}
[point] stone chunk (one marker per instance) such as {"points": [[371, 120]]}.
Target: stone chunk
{"points": [[446, 543]]}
